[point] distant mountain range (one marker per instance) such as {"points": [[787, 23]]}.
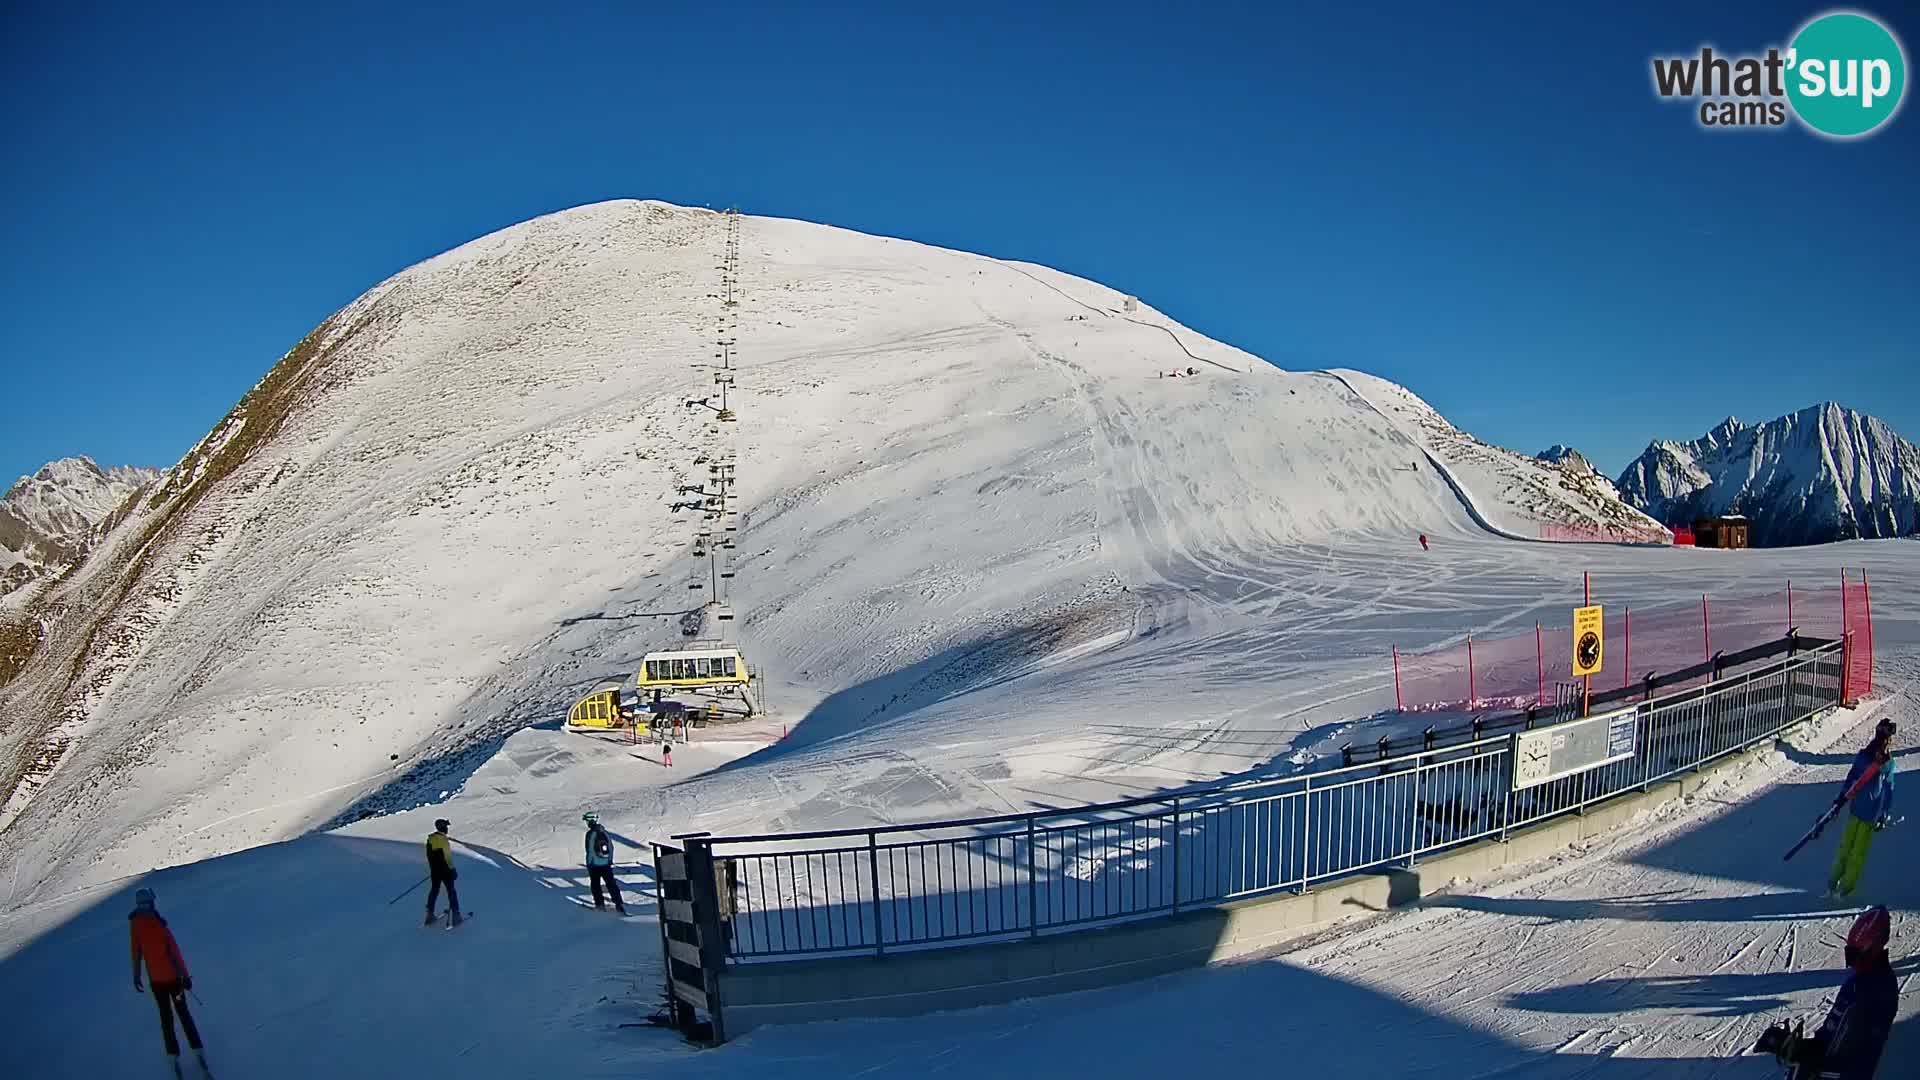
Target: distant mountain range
{"points": [[47, 520], [1821, 474]]}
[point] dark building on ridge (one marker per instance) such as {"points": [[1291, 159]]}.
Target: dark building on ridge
{"points": [[1726, 531]]}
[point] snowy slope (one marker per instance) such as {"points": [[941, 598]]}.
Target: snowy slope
{"points": [[1552, 496], [1821, 474], [47, 520], [448, 509], [990, 556], [1657, 954]]}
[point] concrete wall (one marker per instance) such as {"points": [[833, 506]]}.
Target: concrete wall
{"points": [[910, 983]]}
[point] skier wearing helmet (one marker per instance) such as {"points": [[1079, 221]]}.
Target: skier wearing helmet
{"points": [[154, 946], [1850, 1040], [1871, 806], [600, 864], [440, 869]]}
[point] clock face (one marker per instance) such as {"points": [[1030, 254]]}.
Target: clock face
{"points": [[1588, 650]]}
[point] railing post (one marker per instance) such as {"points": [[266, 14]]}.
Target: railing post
{"points": [[1413, 811], [1846, 657], [1176, 854], [1306, 833], [1033, 886], [873, 872], [1506, 788]]}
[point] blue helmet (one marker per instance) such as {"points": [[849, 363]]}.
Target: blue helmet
{"points": [[143, 898]]}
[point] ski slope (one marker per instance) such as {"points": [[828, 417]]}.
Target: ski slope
{"points": [[449, 511], [1662, 951], [990, 560]]}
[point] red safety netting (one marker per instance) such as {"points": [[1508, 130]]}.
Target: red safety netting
{"points": [[1857, 607], [1517, 670]]}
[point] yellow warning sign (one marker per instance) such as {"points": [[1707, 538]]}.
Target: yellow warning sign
{"points": [[1589, 640]]}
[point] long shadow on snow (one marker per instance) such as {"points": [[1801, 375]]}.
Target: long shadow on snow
{"points": [[1255, 1019], [296, 945], [463, 754], [310, 960], [967, 668], [1722, 995], [1807, 757], [1743, 844], [1747, 841]]}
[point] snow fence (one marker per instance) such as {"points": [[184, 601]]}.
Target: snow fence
{"points": [[743, 901]]}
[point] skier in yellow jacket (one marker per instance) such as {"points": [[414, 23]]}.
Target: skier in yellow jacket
{"points": [[440, 869]]}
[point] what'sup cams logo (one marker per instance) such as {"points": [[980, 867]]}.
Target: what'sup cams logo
{"points": [[1843, 76]]}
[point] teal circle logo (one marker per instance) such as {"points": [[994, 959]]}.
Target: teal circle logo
{"points": [[1846, 74]]}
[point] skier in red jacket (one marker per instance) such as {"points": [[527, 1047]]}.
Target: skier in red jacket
{"points": [[153, 944]]}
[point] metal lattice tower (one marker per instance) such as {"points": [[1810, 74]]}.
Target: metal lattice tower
{"points": [[714, 543]]}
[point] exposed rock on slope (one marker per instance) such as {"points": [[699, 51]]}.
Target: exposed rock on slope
{"points": [[48, 520]]}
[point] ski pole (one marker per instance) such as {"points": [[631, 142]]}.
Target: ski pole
{"points": [[410, 888]]}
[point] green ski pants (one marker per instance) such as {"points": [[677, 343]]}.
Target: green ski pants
{"points": [[1851, 859]]}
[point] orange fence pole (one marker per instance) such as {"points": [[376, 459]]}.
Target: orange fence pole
{"points": [[1471, 696], [1540, 665], [1866, 600], [1398, 704]]}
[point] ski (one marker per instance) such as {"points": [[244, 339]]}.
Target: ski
{"points": [[465, 918], [1833, 811]]}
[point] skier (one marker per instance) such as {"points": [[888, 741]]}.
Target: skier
{"points": [[440, 869], [666, 754], [1870, 808], [1850, 1040], [153, 943], [1423, 542], [600, 863]]}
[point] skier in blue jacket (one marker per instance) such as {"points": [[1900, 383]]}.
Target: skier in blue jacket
{"points": [[600, 863], [1870, 809]]}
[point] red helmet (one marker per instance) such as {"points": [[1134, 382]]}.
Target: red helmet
{"points": [[1870, 931]]}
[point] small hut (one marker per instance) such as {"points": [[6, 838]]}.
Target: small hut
{"points": [[1728, 531]]}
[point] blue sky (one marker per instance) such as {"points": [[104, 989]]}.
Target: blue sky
{"points": [[1490, 208]]}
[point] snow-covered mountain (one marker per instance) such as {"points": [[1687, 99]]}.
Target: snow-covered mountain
{"points": [[47, 520], [452, 507], [1566, 457], [1552, 496], [1821, 474]]}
